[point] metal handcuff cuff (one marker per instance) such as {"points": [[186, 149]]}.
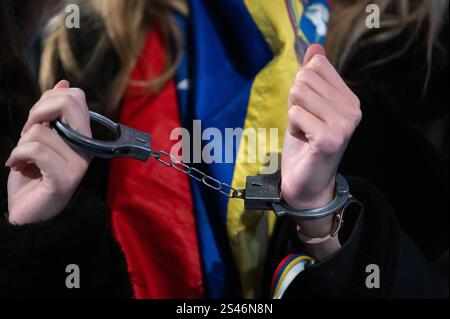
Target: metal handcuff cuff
{"points": [[262, 193]]}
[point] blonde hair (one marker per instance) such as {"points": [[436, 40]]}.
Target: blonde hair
{"points": [[348, 31], [123, 26]]}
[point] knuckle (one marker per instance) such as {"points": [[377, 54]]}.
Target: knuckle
{"points": [[45, 95], [78, 93], [300, 86], [303, 81], [355, 102], [357, 116], [319, 61], [293, 91], [35, 130], [355, 109], [302, 76], [344, 129], [292, 114]]}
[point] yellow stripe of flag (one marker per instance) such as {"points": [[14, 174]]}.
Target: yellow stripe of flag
{"points": [[249, 233]]}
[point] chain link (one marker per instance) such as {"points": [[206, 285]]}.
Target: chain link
{"points": [[168, 160]]}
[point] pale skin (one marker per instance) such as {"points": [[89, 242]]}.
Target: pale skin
{"points": [[45, 171], [323, 115]]}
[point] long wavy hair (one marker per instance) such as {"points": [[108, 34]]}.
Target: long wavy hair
{"points": [[348, 32], [18, 91], [123, 26]]}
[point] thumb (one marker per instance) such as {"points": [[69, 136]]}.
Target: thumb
{"points": [[63, 84], [312, 51]]}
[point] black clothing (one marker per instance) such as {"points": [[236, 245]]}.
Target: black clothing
{"points": [[371, 236], [402, 144], [33, 258]]}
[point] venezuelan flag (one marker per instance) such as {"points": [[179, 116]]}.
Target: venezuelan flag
{"points": [[243, 57]]}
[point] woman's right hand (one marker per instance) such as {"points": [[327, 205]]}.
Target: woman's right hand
{"points": [[45, 171]]}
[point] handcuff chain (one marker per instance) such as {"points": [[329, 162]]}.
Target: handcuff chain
{"points": [[169, 161]]}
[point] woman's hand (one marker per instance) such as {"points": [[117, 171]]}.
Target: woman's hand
{"points": [[45, 171], [323, 115]]}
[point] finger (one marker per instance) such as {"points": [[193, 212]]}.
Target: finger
{"points": [[323, 67], [303, 123], [62, 89], [76, 93], [47, 109], [317, 84], [61, 85], [39, 154], [312, 51], [63, 106], [45, 135], [307, 98], [73, 95]]}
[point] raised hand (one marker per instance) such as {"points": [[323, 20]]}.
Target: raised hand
{"points": [[323, 115], [45, 171]]}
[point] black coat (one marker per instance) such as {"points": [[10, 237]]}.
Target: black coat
{"points": [[34, 258], [402, 143], [401, 147]]}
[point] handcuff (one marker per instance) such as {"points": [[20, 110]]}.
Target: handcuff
{"points": [[262, 192]]}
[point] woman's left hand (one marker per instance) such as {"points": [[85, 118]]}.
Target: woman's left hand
{"points": [[323, 115]]}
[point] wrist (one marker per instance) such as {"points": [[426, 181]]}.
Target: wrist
{"points": [[321, 239], [302, 201], [315, 228], [319, 220], [323, 250]]}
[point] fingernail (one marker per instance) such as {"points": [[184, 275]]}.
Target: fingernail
{"points": [[62, 84]]}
